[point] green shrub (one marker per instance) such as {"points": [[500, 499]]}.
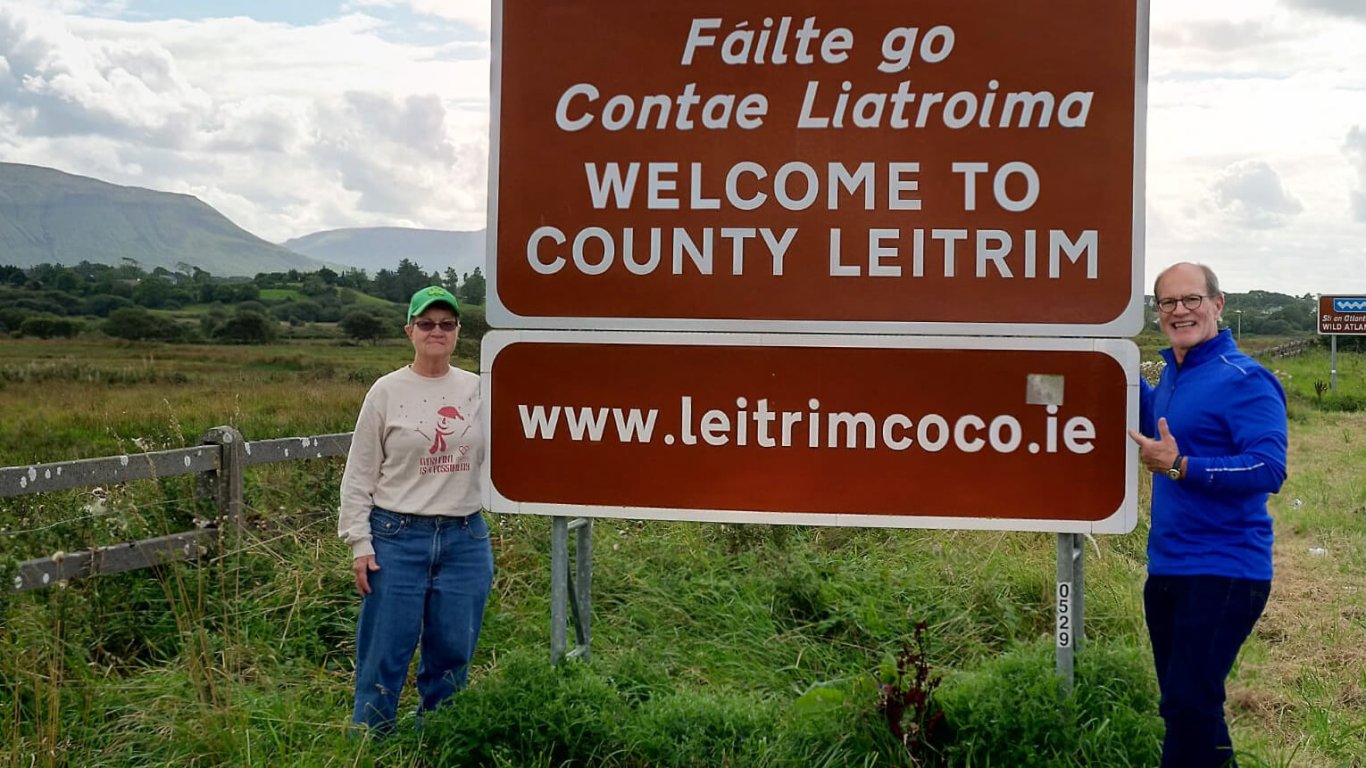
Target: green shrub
{"points": [[1343, 403], [1013, 711], [473, 323], [831, 725], [137, 324], [247, 327], [528, 713], [698, 729], [295, 312], [49, 327], [467, 349], [361, 325], [580, 714], [103, 304]]}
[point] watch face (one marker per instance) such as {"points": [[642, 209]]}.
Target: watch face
{"points": [[1174, 473]]}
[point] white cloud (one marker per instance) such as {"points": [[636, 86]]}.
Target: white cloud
{"points": [[1248, 106], [59, 83], [1251, 193], [476, 13], [287, 129], [1351, 9], [1355, 149]]}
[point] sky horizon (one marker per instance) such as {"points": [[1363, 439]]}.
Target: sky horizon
{"points": [[291, 118]]}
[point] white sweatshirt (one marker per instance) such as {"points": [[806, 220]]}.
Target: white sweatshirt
{"points": [[418, 449]]}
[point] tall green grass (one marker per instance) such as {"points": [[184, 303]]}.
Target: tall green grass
{"points": [[84, 399], [1299, 374], [713, 645]]}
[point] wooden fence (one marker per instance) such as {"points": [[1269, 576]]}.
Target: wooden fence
{"points": [[1289, 349], [218, 462]]}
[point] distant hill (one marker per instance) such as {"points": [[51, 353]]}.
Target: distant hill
{"points": [[376, 248], [47, 216]]}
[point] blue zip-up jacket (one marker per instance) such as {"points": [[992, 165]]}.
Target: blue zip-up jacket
{"points": [[1227, 414]]}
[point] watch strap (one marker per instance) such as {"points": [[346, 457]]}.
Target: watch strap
{"points": [[1175, 472]]}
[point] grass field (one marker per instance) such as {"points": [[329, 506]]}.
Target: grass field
{"points": [[1316, 366], [352, 298], [350, 295], [69, 400], [713, 645]]}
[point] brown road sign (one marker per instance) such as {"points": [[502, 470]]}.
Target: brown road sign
{"points": [[1345, 315], [1017, 434], [946, 166]]}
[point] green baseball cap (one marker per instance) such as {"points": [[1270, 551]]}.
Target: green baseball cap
{"points": [[428, 296]]}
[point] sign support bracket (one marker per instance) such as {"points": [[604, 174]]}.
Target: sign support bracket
{"points": [[570, 596]]}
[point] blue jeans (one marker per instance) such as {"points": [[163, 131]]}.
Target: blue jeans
{"points": [[1197, 624], [432, 584]]}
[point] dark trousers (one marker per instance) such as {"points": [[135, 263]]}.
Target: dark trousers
{"points": [[1197, 624]]}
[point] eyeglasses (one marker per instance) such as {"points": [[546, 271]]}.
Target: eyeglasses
{"points": [[1189, 302], [427, 326]]}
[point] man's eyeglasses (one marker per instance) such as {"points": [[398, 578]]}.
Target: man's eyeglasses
{"points": [[427, 326], [1189, 302]]}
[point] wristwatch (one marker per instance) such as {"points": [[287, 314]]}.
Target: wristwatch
{"points": [[1175, 472]]}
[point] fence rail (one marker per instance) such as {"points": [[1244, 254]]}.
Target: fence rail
{"points": [[84, 473], [293, 448], [217, 463], [1289, 349], [133, 556]]}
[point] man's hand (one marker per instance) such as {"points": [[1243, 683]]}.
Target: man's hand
{"points": [[1157, 455], [363, 566]]}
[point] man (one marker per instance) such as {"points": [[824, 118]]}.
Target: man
{"points": [[1216, 444]]}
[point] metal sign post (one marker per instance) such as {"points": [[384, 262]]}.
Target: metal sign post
{"points": [[1333, 367], [571, 591], [1070, 603]]}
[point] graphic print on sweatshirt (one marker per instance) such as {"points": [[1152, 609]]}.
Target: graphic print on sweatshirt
{"points": [[440, 458], [445, 426]]}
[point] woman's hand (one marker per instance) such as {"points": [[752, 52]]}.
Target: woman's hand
{"points": [[363, 566]]}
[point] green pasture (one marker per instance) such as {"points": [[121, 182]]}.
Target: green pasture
{"points": [[1300, 373], [271, 296], [81, 399], [347, 295], [713, 645]]}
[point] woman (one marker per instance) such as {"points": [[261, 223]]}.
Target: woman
{"points": [[410, 510]]}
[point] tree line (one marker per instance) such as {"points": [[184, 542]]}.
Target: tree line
{"points": [[126, 301], [1260, 313]]}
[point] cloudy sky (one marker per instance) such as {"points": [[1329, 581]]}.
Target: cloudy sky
{"points": [[292, 116]]}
